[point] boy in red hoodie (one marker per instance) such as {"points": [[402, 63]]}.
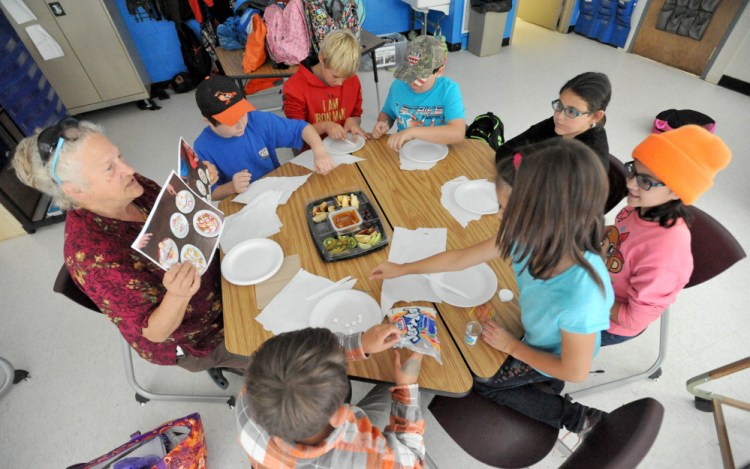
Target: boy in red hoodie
{"points": [[325, 91]]}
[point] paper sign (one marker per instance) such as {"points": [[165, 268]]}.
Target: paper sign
{"points": [[182, 227], [193, 170]]}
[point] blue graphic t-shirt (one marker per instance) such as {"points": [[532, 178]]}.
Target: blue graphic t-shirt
{"points": [[438, 106]]}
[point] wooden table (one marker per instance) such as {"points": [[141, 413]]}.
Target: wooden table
{"points": [[244, 334], [410, 199], [230, 62]]}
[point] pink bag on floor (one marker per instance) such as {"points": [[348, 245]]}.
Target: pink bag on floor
{"points": [[179, 444]]}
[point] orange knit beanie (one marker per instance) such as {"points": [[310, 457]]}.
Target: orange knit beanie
{"points": [[686, 159]]}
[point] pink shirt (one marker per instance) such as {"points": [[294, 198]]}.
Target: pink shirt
{"points": [[649, 265]]}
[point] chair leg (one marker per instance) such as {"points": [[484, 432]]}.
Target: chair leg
{"points": [[143, 396], [653, 372]]}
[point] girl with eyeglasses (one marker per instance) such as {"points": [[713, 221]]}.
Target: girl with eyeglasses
{"points": [[564, 293], [648, 251], [578, 113]]}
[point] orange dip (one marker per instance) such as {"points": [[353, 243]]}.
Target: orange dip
{"points": [[345, 219]]}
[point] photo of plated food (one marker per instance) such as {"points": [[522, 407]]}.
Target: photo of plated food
{"points": [[207, 223], [190, 253], [168, 253], [185, 201], [179, 225]]}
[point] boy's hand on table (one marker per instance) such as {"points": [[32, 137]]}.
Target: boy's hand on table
{"points": [[241, 181], [397, 140], [323, 161], [336, 131]]}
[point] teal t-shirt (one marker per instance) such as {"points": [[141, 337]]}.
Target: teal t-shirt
{"points": [[438, 106], [570, 301]]}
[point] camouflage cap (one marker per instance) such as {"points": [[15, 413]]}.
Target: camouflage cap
{"points": [[423, 55]]}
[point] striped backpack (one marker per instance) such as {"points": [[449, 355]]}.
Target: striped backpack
{"points": [[287, 41]]}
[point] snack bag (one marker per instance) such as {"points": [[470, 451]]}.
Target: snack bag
{"points": [[418, 330]]}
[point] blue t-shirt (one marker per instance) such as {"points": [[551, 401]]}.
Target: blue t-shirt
{"points": [[438, 106], [255, 150], [570, 301]]}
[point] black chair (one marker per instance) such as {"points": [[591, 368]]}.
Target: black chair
{"points": [[621, 439], [64, 285], [714, 251], [500, 437], [617, 184], [493, 434]]}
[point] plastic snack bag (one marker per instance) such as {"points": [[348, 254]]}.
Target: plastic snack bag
{"points": [[418, 330]]}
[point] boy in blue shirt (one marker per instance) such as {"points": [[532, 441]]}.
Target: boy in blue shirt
{"points": [[424, 104], [241, 142]]}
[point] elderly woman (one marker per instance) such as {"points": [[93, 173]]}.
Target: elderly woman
{"points": [[169, 318]]}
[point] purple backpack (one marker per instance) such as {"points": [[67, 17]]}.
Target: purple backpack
{"points": [[287, 41]]}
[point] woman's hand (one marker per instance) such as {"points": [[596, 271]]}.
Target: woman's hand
{"points": [[497, 337], [379, 338], [182, 280], [386, 270]]}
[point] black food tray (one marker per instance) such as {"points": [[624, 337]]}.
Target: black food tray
{"points": [[342, 247]]}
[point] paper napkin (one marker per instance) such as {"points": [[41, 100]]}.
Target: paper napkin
{"points": [[257, 220], [449, 202], [408, 246], [306, 159], [287, 185], [290, 309]]}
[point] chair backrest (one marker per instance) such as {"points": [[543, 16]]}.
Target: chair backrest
{"points": [[65, 285], [713, 246], [617, 184], [621, 439], [493, 434]]}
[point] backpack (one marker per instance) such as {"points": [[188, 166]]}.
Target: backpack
{"points": [[197, 60], [489, 128], [324, 16], [673, 118], [255, 48], [286, 40]]}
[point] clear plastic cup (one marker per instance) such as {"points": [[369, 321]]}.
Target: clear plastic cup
{"points": [[473, 331]]}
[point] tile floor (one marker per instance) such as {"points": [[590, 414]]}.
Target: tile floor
{"points": [[77, 404]]}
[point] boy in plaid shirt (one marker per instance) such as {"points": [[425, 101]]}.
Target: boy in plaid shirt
{"points": [[292, 413]]}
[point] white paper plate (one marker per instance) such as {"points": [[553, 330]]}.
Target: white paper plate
{"points": [[252, 261], [347, 145], [423, 152], [213, 223], [479, 282], [478, 196], [346, 311]]}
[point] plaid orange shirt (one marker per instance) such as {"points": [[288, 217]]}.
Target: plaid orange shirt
{"points": [[355, 444]]}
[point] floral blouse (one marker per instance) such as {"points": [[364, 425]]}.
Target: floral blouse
{"points": [[127, 287]]}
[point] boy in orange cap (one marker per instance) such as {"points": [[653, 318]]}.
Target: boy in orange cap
{"points": [[648, 250], [241, 142]]}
